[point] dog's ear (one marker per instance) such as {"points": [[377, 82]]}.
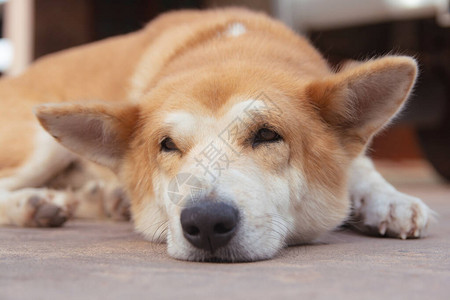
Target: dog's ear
{"points": [[98, 131], [361, 99]]}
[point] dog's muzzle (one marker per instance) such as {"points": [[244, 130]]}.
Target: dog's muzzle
{"points": [[209, 225]]}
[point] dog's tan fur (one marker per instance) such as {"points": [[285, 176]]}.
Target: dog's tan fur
{"points": [[192, 64]]}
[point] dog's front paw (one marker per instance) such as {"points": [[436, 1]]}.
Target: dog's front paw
{"points": [[391, 213], [43, 213]]}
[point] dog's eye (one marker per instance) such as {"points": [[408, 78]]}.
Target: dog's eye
{"points": [[265, 135], [168, 145]]}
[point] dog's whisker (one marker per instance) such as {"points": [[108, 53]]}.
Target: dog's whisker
{"points": [[163, 232], [163, 224]]}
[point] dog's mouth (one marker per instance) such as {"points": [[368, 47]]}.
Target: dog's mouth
{"points": [[225, 255], [215, 259], [238, 250], [233, 253]]}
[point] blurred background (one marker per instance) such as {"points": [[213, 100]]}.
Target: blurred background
{"points": [[418, 142]]}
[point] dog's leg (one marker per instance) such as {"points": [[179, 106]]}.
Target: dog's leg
{"points": [[47, 160], [23, 200], [379, 208]]}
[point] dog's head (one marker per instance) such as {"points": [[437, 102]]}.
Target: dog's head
{"points": [[233, 167]]}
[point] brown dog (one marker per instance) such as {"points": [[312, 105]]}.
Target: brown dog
{"points": [[229, 133]]}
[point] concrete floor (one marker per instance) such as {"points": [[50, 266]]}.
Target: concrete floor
{"points": [[94, 260]]}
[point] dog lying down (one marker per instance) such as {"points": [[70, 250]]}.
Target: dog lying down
{"points": [[228, 132]]}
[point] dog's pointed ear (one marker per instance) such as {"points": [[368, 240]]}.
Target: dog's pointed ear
{"points": [[360, 100], [98, 131]]}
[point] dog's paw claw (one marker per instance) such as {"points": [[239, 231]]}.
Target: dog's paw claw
{"points": [[403, 235], [44, 213], [382, 228]]}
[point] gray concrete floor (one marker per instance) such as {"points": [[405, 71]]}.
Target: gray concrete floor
{"points": [[94, 260]]}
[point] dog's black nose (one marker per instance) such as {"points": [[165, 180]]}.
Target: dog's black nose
{"points": [[208, 225]]}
